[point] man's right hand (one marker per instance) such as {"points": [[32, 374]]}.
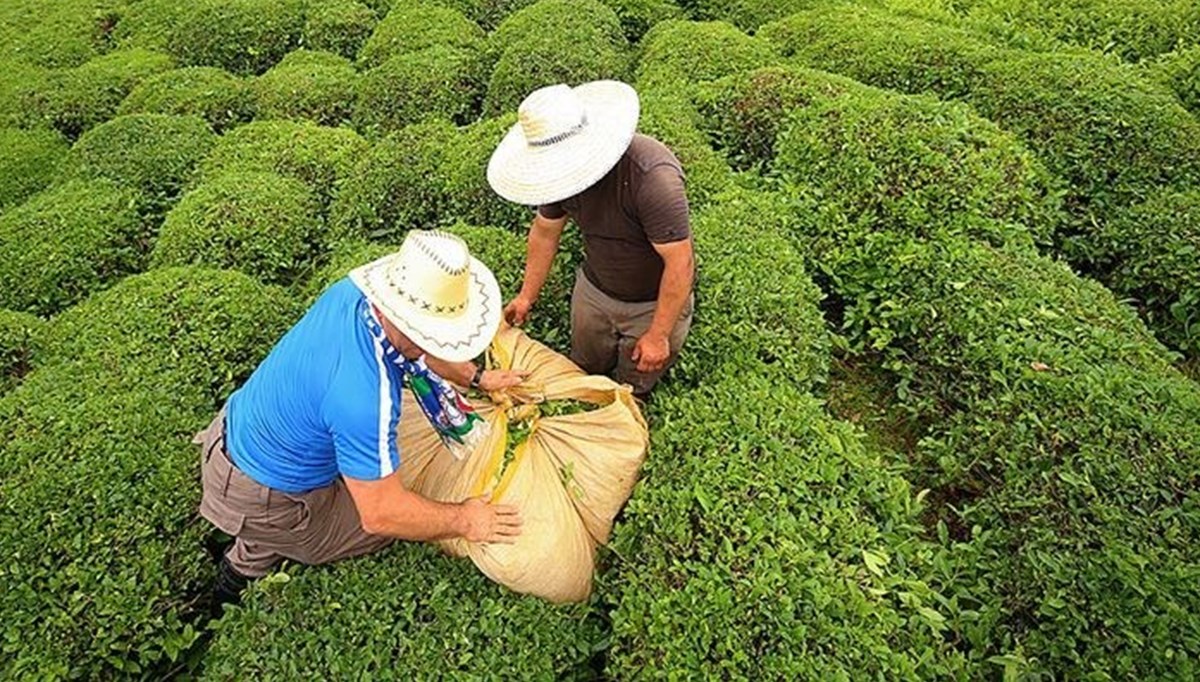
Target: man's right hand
{"points": [[486, 522], [517, 310]]}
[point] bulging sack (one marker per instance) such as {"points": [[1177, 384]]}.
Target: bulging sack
{"points": [[563, 446]]}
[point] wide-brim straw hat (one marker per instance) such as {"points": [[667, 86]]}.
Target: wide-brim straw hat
{"points": [[565, 140], [437, 294]]}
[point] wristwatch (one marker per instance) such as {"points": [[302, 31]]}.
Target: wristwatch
{"points": [[478, 377]]}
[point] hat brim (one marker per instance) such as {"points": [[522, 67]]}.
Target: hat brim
{"points": [[454, 339], [533, 176]]}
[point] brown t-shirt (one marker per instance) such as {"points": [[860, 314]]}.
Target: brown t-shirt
{"points": [[639, 202]]}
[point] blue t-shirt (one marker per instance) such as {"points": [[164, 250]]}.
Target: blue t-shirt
{"points": [[325, 401]]}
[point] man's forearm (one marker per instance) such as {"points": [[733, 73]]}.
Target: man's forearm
{"points": [[459, 373], [541, 248], [414, 517], [673, 292]]}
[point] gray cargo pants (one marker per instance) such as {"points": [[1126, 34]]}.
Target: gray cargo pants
{"points": [[314, 527], [604, 331]]}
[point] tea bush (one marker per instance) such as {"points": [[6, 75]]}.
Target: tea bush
{"points": [[437, 82], [586, 44], [222, 99], [744, 113], [767, 327], [1130, 30], [1154, 250], [669, 115], [765, 542], [29, 161], [413, 26], [882, 48], [590, 22], [149, 24], [74, 100], [1180, 71], [19, 85], [153, 153], [338, 26], [749, 15], [68, 242], [903, 163], [423, 176], [1113, 138], [21, 337], [1058, 442], [320, 157], [468, 193], [396, 184], [58, 34], [104, 556], [407, 612], [263, 224], [695, 52], [639, 16], [245, 37], [313, 86]]}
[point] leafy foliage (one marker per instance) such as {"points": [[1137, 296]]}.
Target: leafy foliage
{"points": [[318, 156], [29, 161], [696, 52], [1154, 247], [313, 86], [222, 99], [405, 611], [153, 153], [437, 82], [586, 44], [74, 100], [882, 48], [104, 557], [415, 26], [21, 337], [263, 224], [338, 26], [67, 242], [245, 37]]}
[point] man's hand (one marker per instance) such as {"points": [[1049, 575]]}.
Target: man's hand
{"points": [[651, 352], [517, 310], [499, 379], [486, 522]]}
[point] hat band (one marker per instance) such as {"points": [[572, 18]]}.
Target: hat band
{"points": [[555, 139]]}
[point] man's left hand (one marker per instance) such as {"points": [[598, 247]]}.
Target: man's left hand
{"points": [[651, 352], [500, 379]]}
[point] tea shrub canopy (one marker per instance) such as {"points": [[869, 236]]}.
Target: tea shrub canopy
{"points": [[414, 25], [263, 224], [153, 153], [222, 99], [318, 156], [98, 472], [937, 416], [30, 160], [312, 86], [68, 242], [338, 26], [437, 82]]}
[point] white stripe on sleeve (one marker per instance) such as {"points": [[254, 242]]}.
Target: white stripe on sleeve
{"points": [[385, 412]]}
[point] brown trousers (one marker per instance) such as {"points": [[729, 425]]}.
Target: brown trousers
{"points": [[605, 330], [315, 527]]}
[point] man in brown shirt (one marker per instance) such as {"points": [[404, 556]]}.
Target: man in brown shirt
{"points": [[574, 154]]}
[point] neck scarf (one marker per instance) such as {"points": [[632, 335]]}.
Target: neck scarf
{"points": [[455, 421]]}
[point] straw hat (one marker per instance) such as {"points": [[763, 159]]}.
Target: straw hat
{"points": [[434, 292], [566, 139]]}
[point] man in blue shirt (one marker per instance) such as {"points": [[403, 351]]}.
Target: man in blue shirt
{"points": [[301, 462]]}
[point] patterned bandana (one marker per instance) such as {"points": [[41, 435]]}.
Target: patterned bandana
{"points": [[455, 421]]}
